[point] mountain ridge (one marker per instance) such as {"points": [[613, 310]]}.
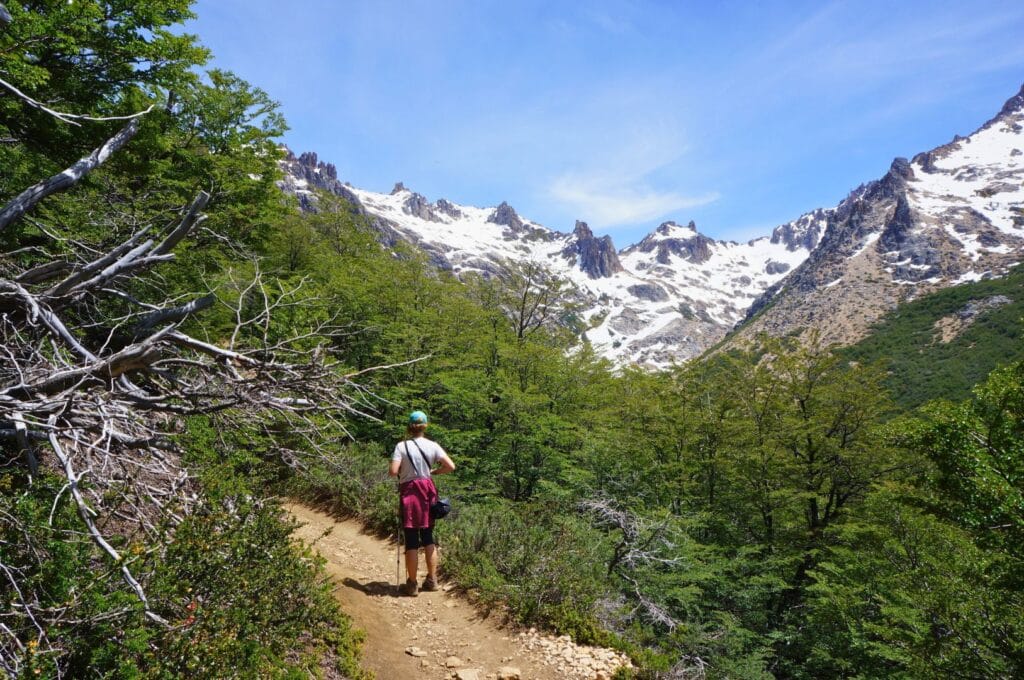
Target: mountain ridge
{"points": [[657, 302], [948, 215]]}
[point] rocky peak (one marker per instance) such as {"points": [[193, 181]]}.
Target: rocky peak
{"points": [[311, 162], [666, 228], [506, 215], [672, 239], [595, 256], [901, 168], [582, 231], [309, 167], [890, 187], [448, 208], [1014, 104], [418, 206], [926, 160], [803, 232], [398, 188]]}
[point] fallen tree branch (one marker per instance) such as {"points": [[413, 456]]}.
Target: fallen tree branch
{"points": [[96, 265], [87, 513], [192, 217], [171, 314], [131, 358]]}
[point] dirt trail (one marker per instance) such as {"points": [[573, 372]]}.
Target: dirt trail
{"points": [[448, 636]]}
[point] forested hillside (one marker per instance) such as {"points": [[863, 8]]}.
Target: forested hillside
{"points": [[942, 344], [183, 346]]}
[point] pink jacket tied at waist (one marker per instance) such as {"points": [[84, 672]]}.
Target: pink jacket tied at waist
{"points": [[415, 498]]}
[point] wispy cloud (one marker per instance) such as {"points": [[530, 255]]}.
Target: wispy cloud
{"points": [[610, 202], [610, 20], [617, 185]]}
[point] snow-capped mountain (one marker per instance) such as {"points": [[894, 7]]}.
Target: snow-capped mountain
{"points": [[950, 215], [665, 299]]}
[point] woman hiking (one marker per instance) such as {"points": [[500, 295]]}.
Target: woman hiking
{"points": [[414, 460]]}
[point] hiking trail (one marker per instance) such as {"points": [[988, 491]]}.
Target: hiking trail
{"points": [[438, 635]]}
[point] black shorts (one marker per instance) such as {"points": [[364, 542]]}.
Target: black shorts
{"points": [[418, 538]]}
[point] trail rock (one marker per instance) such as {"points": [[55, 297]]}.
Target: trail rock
{"points": [[509, 673], [415, 651]]}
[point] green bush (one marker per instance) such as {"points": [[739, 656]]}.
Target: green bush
{"points": [[543, 567]]}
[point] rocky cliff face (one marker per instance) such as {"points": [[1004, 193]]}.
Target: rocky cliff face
{"points": [[507, 216], [804, 232], [950, 215]]}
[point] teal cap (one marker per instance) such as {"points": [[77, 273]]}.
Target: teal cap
{"points": [[417, 418]]}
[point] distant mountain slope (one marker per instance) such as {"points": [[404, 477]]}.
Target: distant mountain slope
{"points": [[951, 215], [942, 344], [662, 300]]}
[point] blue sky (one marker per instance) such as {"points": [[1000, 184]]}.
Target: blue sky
{"points": [[623, 113]]}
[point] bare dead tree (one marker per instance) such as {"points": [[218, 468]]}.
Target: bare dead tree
{"points": [[641, 543], [96, 377], [536, 299], [644, 543]]}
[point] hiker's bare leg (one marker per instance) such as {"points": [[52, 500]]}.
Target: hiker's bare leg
{"points": [[412, 562], [431, 551]]}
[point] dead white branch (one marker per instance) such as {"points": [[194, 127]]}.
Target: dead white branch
{"points": [[171, 314], [70, 118], [29, 198], [192, 217]]}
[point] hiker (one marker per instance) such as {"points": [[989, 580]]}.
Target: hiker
{"points": [[413, 462]]}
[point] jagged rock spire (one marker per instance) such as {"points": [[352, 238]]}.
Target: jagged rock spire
{"points": [[595, 256], [507, 216]]}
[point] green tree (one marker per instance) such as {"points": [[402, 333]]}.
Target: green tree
{"points": [[927, 580], [88, 58]]}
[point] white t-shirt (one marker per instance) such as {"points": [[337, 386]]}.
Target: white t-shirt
{"points": [[413, 466]]}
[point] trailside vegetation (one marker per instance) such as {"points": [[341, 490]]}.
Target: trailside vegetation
{"points": [[182, 346]]}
